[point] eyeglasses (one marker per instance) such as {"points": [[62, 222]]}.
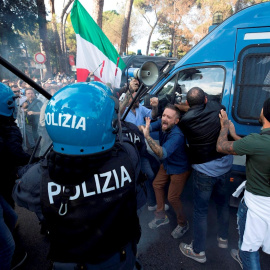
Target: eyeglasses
{"points": [[16, 91]]}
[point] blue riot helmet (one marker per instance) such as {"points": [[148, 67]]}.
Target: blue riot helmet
{"points": [[80, 119], [7, 101], [105, 87]]}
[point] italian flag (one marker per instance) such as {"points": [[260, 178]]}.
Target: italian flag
{"points": [[95, 53]]}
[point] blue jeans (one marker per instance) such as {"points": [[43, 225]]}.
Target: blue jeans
{"points": [[147, 169], [8, 219], [203, 187], [250, 260]]}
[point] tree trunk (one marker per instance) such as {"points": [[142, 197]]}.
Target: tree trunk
{"points": [[149, 37], [63, 20], [172, 41], [97, 12], [58, 50], [124, 37], [43, 35]]}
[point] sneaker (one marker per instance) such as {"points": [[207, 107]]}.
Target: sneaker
{"points": [[155, 223], [179, 231], [187, 250], [222, 243], [154, 208], [18, 259], [236, 256]]}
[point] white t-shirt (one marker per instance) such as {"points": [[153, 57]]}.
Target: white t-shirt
{"points": [[257, 230]]}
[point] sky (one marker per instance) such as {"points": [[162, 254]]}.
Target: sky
{"points": [[113, 5]]}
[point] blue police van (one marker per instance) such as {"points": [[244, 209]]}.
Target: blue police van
{"points": [[232, 65]]}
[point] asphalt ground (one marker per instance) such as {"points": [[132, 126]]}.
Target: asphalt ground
{"points": [[157, 249]]}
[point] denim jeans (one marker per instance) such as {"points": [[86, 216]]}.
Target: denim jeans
{"points": [[8, 219], [147, 169], [250, 260], [203, 187]]}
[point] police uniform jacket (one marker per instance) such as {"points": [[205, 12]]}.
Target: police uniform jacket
{"points": [[89, 204]]}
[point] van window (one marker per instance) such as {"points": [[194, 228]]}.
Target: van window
{"points": [[252, 84], [210, 80]]}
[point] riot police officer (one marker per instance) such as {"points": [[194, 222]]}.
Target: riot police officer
{"points": [[12, 156], [87, 184]]}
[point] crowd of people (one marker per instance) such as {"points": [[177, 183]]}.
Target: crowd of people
{"points": [[31, 109], [100, 165]]}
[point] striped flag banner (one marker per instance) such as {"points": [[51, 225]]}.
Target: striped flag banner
{"points": [[95, 52]]}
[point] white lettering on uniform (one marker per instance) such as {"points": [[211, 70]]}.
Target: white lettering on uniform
{"points": [[136, 138], [53, 193], [124, 176], [85, 193], [101, 185], [77, 194], [107, 181], [66, 120], [133, 137]]}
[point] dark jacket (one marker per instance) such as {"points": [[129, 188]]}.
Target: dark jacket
{"points": [[201, 126], [99, 194], [12, 155]]}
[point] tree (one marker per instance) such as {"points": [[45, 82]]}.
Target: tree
{"points": [[58, 49], [112, 26], [97, 12], [15, 17], [63, 20], [172, 24], [42, 23], [150, 6], [124, 36]]}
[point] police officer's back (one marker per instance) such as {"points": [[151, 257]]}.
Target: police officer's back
{"points": [[87, 191]]}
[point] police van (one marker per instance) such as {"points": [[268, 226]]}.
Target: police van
{"points": [[232, 65]]}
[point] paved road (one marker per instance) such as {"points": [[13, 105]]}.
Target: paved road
{"points": [[157, 249]]}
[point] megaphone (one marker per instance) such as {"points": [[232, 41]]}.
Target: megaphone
{"points": [[148, 73]]}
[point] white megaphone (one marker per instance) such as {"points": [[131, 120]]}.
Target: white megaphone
{"points": [[148, 73]]}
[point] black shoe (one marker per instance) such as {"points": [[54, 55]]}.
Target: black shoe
{"points": [[18, 259]]}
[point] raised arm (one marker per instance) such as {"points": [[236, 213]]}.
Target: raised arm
{"points": [[223, 145], [157, 149]]}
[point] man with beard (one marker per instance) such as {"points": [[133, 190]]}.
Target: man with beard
{"points": [[174, 167], [254, 209]]}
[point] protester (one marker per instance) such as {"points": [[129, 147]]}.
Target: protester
{"points": [[137, 115], [211, 171], [138, 112], [85, 188], [174, 167], [12, 155], [32, 111], [253, 212]]}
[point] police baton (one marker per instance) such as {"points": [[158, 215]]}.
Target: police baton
{"points": [[34, 151], [46, 152]]}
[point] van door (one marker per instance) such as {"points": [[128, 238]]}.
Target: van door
{"points": [[252, 81]]}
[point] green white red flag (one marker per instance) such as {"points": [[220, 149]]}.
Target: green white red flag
{"points": [[95, 52]]}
